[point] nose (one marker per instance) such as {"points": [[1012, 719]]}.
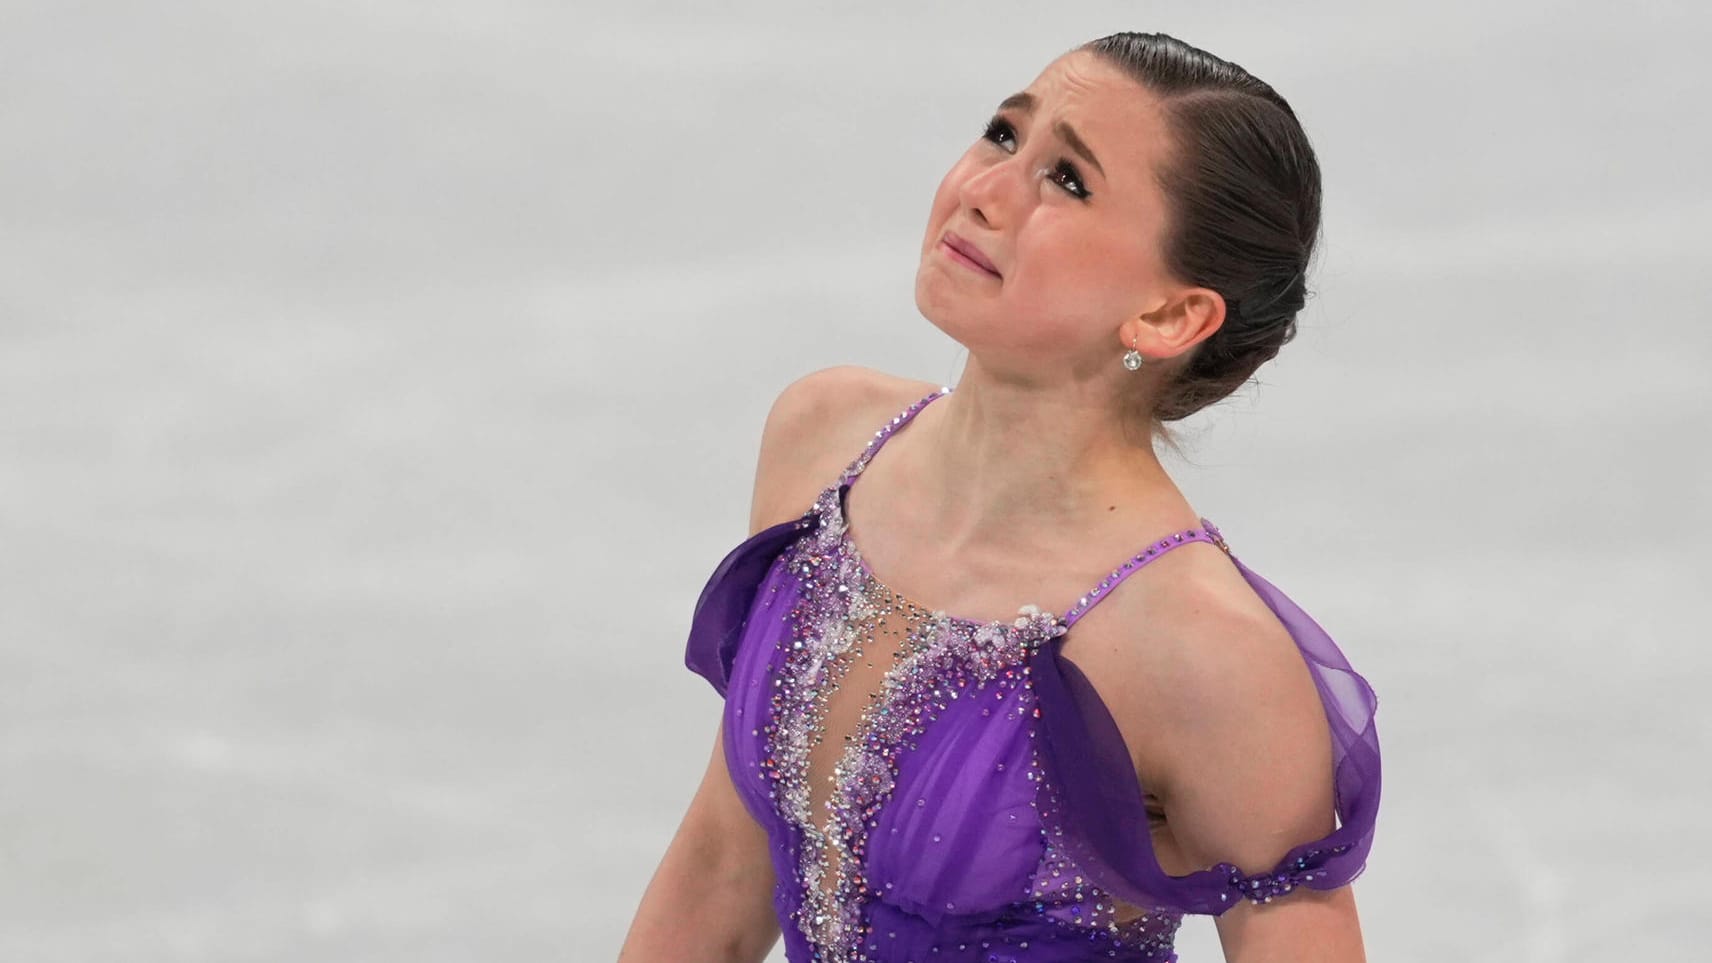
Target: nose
{"points": [[989, 194]]}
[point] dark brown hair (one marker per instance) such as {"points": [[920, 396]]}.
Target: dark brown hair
{"points": [[1242, 190]]}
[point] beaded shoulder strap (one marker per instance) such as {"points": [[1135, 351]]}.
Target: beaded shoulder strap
{"points": [[1208, 532], [886, 431]]}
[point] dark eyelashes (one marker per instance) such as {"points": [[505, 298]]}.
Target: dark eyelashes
{"points": [[999, 127]]}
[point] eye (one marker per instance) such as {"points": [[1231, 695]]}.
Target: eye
{"points": [[1064, 174], [998, 127], [1068, 171]]}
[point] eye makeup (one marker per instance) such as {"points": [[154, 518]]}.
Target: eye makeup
{"points": [[1064, 173]]}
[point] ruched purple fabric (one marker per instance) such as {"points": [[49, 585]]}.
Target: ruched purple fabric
{"points": [[995, 815]]}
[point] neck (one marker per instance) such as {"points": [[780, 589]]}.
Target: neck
{"points": [[1009, 465]]}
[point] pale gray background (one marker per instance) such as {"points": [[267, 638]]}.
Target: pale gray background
{"points": [[382, 380]]}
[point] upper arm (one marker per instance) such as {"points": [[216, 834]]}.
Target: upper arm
{"points": [[1246, 775], [713, 890], [717, 823]]}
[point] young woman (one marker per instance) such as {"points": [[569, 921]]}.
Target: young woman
{"points": [[910, 765]]}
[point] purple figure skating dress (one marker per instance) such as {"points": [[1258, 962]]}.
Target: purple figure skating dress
{"points": [[937, 788]]}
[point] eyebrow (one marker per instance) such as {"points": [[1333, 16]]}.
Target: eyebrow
{"points": [[1024, 102]]}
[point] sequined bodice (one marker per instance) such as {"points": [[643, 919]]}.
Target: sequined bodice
{"points": [[887, 669], [897, 758]]}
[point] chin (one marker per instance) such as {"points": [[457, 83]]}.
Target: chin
{"points": [[956, 321]]}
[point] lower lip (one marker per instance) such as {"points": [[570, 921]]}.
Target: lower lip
{"points": [[957, 255]]}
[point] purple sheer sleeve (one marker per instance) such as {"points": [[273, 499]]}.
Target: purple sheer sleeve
{"points": [[722, 610], [1091, 801]]}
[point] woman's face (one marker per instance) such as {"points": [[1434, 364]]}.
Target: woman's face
{"points": [[1075, 238]]}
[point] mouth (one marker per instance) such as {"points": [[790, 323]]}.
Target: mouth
{"points": [[969, 254]]}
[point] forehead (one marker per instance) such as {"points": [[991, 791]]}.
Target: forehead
{"points": [[1119, 119]]}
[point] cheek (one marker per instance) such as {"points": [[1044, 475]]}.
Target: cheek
{"points": [[945, 196], [1064, 255], [1074, 271], [1095, 252], [937, 215]]}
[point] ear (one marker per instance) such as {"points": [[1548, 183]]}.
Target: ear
{"points": [[1189, 317]]}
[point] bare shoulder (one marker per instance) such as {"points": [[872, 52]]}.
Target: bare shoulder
{"points": [[816, 426], [1220, 712], [1210, 642]]}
